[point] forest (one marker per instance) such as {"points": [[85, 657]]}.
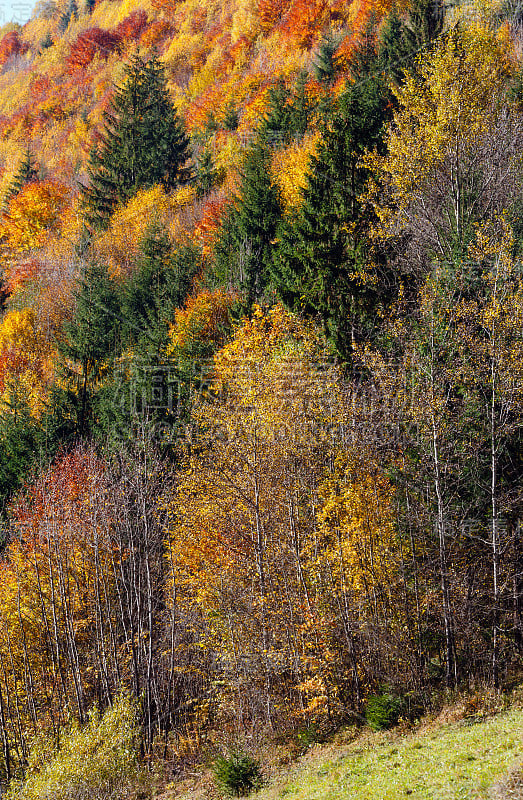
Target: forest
{"points": [[261, 373]]}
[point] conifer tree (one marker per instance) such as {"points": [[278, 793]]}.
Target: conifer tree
{"points": [[323, 265], [324, 65], [91, 339], [206, 174], [244, 252], [143, 143], [26, 173]]}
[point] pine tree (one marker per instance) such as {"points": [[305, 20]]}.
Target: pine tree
{"points": [[143, 143], [244, 252]]}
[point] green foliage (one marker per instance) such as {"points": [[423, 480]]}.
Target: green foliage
{"points": [[237, 774], [143, 143], [91, 338], [383, 710], [21, 442], [206, 174], [46, 42], [324, 67], [289, 111], [244, 250], [92, 762], [323, 259], [231, 118], [142, 387], [26, 172], [70, 13]]}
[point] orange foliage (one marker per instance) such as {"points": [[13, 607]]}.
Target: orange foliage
{"points": [[21, 273], [11, 45], [270, 11], [91, 42], [305, 20], [132, 27], [206, 228], [156, 33], [32, 213], [206, 317]]}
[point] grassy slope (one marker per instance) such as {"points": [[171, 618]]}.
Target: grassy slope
{"points": [[461, 760], [472, 759]]}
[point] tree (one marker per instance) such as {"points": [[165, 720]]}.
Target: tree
{"points": [[27, 172], [143, 143], [244, 250], [322, 264], [453, 147]]}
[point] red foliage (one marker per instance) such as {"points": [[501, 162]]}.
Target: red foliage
{"points": [[91, 42], [21, 273], [11, 45], [132, 27]]}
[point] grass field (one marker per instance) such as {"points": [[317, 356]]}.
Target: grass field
{"points": [[467, 759]]}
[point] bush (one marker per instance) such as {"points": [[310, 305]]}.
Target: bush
{"points": [[96, 762], [238, 774], [383, 710]]}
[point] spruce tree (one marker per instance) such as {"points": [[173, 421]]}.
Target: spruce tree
{"points": [[322, 265], [91, 340], [26, 173], [245, 247], [324, 66], [206, 174], [143, 143]]}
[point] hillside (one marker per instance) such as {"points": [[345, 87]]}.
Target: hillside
{"points": [[476, 757], [261, 379]]}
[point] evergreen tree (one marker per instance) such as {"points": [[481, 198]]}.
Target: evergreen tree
{"points": [[144, 389], [26, 173], [70, 13], [324, 67], [244, 251], [143, 143], [393, 52], [323, 266], [91, 340], [424, 24], [206, 174], [46, 42]]}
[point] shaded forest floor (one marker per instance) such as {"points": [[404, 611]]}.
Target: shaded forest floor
{"points": [[458, 755]]}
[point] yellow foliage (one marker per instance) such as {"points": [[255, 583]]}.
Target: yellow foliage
{"points": [[357, 522], [290, 168], [26, 359], [445, 109], [245, 21], [119, 245]]}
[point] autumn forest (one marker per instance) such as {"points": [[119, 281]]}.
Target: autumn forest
{"points": [[261, 370]]}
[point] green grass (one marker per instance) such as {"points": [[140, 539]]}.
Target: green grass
{"points": [[450, 762]]}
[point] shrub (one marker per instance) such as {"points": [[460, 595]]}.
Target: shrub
{"points": [[93, 762], [383, 710], [237, 774]]}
